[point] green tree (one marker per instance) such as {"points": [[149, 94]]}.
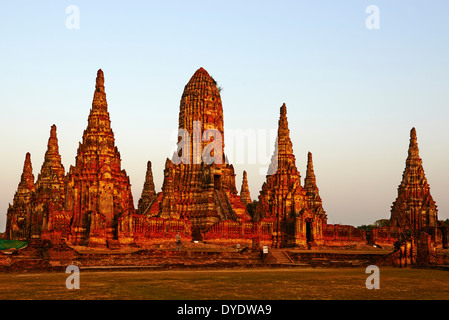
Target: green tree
{"points": [[376, 224], [382, 223], [366, 227]]}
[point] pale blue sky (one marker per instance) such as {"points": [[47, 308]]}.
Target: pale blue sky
{"points": [[352, 94]]}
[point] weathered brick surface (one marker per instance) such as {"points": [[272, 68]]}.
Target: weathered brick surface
{"points": [[92, 206]]}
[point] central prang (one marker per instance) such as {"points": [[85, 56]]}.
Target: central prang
{"points": [[199, 183]]}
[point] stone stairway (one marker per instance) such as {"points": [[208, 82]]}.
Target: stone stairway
{"points": [[113, 244], [314, 259], [225, 205], [326, 259], [281, 256], [147, 259]]}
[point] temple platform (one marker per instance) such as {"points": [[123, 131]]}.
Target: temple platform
{"points": [[192, 255]]}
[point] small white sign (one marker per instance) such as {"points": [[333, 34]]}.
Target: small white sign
{"points": [[265, 249]]}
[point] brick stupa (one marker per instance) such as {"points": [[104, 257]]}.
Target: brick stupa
{"points": [[283, 199], [49, 198], [148, 192], [245, 196], [414, 207], [199, 184], [312, 191], [99, 195], [92, 204], [18, 218]]}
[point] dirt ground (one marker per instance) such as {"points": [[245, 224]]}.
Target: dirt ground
{"points": [[236, 284]]}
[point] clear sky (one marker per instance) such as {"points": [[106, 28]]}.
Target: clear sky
{"points": [[352, 93]]}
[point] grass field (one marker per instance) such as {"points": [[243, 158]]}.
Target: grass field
{"points": [[266, 284]]}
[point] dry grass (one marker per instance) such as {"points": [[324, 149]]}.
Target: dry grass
{"points": [[277, 284]]}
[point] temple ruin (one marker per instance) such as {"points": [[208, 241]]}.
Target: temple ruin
{"points": [[91, 205]]}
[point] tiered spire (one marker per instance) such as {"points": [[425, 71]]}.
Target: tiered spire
{"points": [[26, 185], [310, 180], [148, 191], [313, 194], [99, 191], [244, 191], [413, 158], [283, 177], [27, 178], [414, 208], [99, 100], [283, 158], [200, 110], [283, 200], [98, 146], [48, 204], [52, 170], [199, 184], [18, 221]]}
